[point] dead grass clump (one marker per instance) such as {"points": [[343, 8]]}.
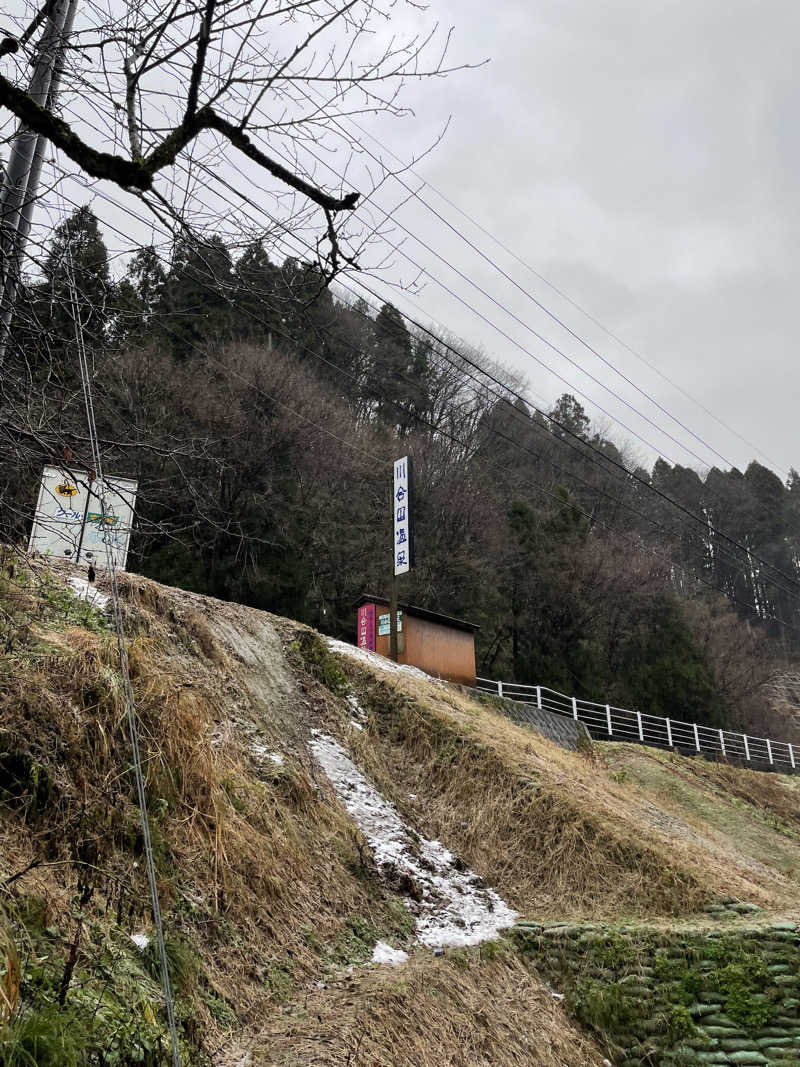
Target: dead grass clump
{"points": [[459, 1011], [146, 595], [201, 632]]}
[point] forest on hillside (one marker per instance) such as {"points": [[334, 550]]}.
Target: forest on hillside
{"points": [[261, 410]]}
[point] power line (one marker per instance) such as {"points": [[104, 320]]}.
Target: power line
{"points": [[540, 337], [702, 521], [585, 444], [127, 689], [559, 292]]}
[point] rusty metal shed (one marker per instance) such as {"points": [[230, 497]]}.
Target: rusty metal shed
{"points": [[439, 644]]}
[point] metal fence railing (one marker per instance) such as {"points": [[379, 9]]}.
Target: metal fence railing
{"points": [[606, 722]]}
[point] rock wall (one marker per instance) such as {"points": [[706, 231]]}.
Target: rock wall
{"points": [[559, 728], [678, 997]]}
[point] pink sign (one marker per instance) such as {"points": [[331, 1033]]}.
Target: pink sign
{"points": [[366, 627]]}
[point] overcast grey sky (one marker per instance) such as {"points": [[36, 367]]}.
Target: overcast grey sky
{"points": [[643, 157]]}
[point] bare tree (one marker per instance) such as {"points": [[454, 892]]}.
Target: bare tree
{"points": [[154, 92]]}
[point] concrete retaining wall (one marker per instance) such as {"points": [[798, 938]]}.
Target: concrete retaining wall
{"points": [[565, 732]]}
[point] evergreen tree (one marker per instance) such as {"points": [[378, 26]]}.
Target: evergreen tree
{"points": [[194, 305], [570, 417], [398, 393], [255, 281], [138, 297], [76, 265]]}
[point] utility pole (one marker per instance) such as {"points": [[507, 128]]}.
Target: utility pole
{"points": [[21, 179]]}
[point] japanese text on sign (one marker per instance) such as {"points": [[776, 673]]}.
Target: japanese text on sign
{"points": [[366, 627], [384, 624], [401, 503]]}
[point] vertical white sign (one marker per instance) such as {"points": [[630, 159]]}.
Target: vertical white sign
{"points": [[70, 520], [403, 535]]}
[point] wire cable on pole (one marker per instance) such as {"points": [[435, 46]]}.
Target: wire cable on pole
{"points": [[122, 653]]}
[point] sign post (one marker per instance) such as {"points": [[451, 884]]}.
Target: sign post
{"points": [[402, 539]]}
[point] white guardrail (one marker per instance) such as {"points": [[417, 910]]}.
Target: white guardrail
{"points": [[620, 724]]}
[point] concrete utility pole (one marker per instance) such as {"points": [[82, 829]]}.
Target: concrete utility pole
{"points": [[21, 179]]}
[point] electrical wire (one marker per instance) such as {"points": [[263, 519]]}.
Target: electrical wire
{"points": [[702, 521], [122, 653], [757, 611], [555, 318], [605, 458]]}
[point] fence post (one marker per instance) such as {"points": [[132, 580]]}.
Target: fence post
{"points": [[575, 711], [608, 720], [669, 733], [769, 750], [746, 748], [499, 689], [639, 721], [539, 697], [696, 738], [722, 742], [791, 755]]}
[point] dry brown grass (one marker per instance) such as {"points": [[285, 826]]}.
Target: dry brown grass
{"points": [[9, 974], [461, 1012], [745, 821], [775, 793], [258, 868], [534, 820], [550, 828]]}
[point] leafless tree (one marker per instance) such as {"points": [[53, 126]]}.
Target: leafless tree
{"points": [[158, 96]]}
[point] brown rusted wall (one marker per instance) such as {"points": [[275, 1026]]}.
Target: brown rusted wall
{"points": [[440, 650]]}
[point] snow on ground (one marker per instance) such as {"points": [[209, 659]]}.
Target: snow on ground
{"points": [[86, 591], [456, 908], [383, 953], [141, 941], [355, 707], [261, 752], [376, 660]]}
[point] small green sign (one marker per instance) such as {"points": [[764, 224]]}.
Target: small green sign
{"points": [[383, 624]]}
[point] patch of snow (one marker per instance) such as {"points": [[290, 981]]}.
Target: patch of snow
{"points": [[141, 941], [262, 752], [356, 725], [383, 953], [355, 708], [84, 590], [412, 796], [376, 660], [455, 908]]}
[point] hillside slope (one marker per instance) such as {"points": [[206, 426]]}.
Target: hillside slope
{"points": [[278, 878]]}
